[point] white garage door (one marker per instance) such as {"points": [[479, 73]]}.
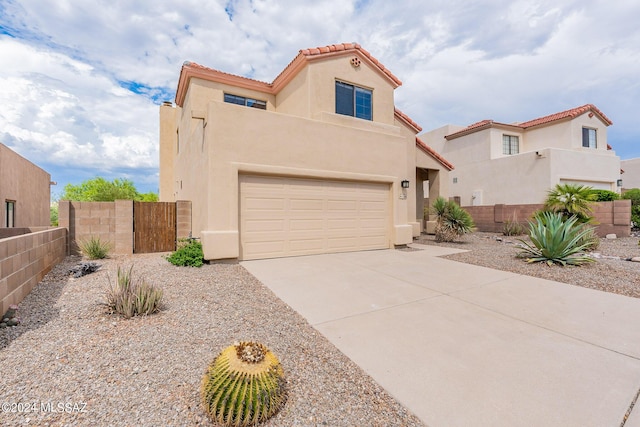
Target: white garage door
{"points": [[289, 216]]}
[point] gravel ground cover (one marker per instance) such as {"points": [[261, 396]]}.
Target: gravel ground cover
{"points": [[70, 364], [612, 272]]}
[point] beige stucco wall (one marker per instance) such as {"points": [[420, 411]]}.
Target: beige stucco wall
{"points": [[299, 135], [631, 175], [26, 184], [485, 176]]}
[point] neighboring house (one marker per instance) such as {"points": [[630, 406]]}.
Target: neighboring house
{"points": [[499, 163], [24, 191], [631, 176], [317, 161]]}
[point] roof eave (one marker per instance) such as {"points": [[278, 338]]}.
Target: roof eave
{"points": [[189, 72]]}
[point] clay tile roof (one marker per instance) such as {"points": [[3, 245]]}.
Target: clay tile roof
{"points": [[569, 114], [191, 69], [407, 120], [483, 124], [345, 47], [433, 153], [572, 113]]}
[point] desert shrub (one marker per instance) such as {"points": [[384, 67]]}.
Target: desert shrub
{"points": [[452, 221], [94, 248], [634, 196], [243, 386], [188, 254], [570, 200], [555, 239], [590, 240], [128, 297], [512, 227], [604, 195]]}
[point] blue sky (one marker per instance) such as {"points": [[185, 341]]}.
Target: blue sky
{"points": [[81, 81]]}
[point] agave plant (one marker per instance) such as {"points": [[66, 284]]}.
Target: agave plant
{"points": [[452, 220], [571, 200], [244, 385], [555, 239]]}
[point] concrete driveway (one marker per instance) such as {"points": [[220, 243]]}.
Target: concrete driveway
{"points": [[461, 345]]}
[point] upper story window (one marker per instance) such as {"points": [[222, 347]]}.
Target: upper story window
{"points": [[510, 144], [589, 139], [241, 100], [353, 101]]}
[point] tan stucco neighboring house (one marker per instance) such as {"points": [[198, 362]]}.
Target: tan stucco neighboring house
{"points": [[313, 162], [499, 163], [631, 176], [24, 191]]}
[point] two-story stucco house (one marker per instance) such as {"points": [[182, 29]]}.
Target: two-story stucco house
{"points": [[631, 177], [24, 192], [499, 163], [317, 161]]}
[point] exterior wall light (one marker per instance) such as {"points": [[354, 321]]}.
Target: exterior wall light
{"points": [[405, 184], [619, 183]]}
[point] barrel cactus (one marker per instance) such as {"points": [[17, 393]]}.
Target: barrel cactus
{"points": [[244, 385]]}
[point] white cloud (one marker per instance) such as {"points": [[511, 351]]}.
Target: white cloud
{"points": [[84, 79]]}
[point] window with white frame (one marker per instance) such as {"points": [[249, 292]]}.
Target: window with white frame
{"points": [[353, 101], [510, 144], [248, 102], [589, 138]]}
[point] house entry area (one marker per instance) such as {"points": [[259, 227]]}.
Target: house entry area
{"points": [[284, 216]]}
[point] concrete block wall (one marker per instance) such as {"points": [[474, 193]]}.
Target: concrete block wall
{"points": [[123, 236], [24, 261], [183, 219], [112, 222], [85, 220], [609, 217]]}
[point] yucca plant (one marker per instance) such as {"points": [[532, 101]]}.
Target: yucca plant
{"points": [[94, 248], [555, 239], [452, 220], [571, 200], [512, 227], [130, 298], [244, 385]]}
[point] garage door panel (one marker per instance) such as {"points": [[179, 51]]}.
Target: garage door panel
{"points": [[306, 224], [342, 205], [342, 243], [265, 225], [306, 205], [342, 224], [289, 216], [265, 204]]}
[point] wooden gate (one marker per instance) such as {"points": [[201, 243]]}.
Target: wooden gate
{"points": [[154, 227]]}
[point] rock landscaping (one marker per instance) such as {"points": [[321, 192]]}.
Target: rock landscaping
{"points": [[72, 364], [615, 269]]}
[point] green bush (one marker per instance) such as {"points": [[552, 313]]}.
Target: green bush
{"points": [[634, 196], [571, 200], [94, 248], [188, 254], [129, 298], [452, 221], [604, 195], [555, 239]]}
